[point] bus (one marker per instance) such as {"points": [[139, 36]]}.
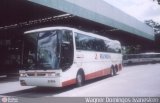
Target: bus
{"points": [[141, 58], [62, 56]]}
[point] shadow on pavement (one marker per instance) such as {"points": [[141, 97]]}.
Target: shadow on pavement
{"points": [[38, 92], [9, 79]]}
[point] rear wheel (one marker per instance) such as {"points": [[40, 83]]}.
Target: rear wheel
{"points": [[80, 79], [113, 71]]}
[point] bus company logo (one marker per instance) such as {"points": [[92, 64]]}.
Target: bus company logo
{"points": [[105, 56], [4, 100], [9, 100]]}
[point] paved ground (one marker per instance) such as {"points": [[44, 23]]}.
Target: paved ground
{"points": [[137, 81]]}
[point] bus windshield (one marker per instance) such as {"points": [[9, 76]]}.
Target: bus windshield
{"points": [[40, 50]]}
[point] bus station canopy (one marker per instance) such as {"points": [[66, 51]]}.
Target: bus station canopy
{"points": [[18, 16], [101, 12]]}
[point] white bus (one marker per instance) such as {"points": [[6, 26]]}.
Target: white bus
{"points": [[141, 58], [61, 56]]}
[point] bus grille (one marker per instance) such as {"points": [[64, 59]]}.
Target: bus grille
{"points": [[36, 74], [31, 74], [41, 74]]}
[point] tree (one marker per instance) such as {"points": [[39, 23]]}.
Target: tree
{"points": [[157, 1], [154, 25], [156, 28]]}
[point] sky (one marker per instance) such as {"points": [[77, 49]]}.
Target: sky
{"points": [[140, 9]]}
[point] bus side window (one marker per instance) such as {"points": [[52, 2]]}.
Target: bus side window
{"points": [[66, 49]]}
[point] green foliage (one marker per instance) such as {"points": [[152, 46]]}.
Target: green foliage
{"points": [[154, 25]]}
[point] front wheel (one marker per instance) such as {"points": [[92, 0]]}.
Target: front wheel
{"points": [[80, 79]]}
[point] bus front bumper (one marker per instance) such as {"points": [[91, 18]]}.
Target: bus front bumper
{"points": [[41, 81]]}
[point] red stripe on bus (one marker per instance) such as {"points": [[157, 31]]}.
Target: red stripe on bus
{"points": [[97, 74], [88, 76], [69, 82]]}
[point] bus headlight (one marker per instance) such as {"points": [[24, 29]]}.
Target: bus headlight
{"points": [[23, 75]]}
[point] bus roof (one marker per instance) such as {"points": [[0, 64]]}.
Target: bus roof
{"points": [[47, 29], [69, 28], [150, 53]]}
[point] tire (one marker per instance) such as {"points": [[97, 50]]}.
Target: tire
{"points": [[113, 71], [80, 79]]}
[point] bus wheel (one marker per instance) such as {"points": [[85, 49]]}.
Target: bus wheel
{"points": [[113, 71], [80, 79]]}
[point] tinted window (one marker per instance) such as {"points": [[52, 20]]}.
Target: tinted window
{"points": [[40, 50], [84, 42]]}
